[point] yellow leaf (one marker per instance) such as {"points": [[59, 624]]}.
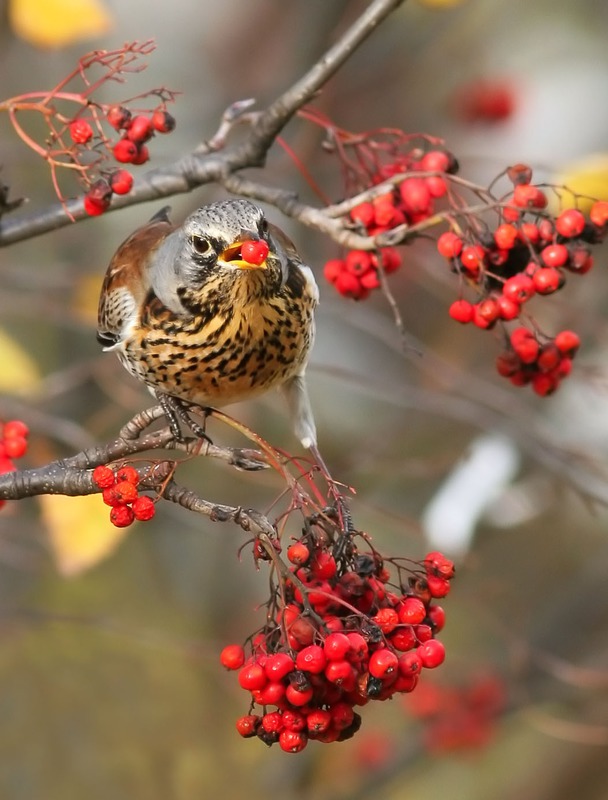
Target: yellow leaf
{"points": [[589, 177], [85, 298], [19, 373], [80, 531], [58, 23]]}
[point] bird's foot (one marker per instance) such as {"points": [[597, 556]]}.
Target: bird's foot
{"points": [[178, 411]]}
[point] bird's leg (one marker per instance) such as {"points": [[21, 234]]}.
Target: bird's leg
{"points": [[344, 518], [176, 411]]}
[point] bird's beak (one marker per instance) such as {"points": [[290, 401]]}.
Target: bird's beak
{"points": [[231, 257]]}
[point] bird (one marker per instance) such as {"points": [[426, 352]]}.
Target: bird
{"points": [[205, 325]]}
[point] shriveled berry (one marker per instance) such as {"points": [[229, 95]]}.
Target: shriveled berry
{"points": [[248, 725], [126, 492], [292, 741], [144, 508], [121, 516], [103, 477], [81, 131]]}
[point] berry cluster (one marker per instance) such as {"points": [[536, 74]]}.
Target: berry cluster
{"points": [[529, 254], [459, 717], [120, 492], [131, 148], [13, 444], [341, 635], [411, 201]]}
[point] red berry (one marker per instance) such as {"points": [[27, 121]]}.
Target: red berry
{"points": [[254, 252], [507, 364], [415, 196], [547, 280], [125, 151], [435, 161], [98, 198], [403, 638], [272, 722], [121, 181], [342, 716], [432, 653], [162, 121], [15, 446], [382, 663], [292, 741], [437, 186], [439, 587], [322, 565], [333, 268], [119, 117], [252, 676], [363, 213], [580, 260], [103, 477], [278, 666], [473, 258], [386, 619], [507, 309], [348, 285], [358, 262], [555, 255], [519, 174], [298, 697], [121, 516], [140, 129], [570, 223], [318, 721], [461, 311], [527, 196], [599, 213], [144, 508], [519, 288], [248, 725], [436, 615], [567, 342], [94, 208], [232, 656], [336, 646], [527, 350], [370, 280], [126, 492], [505, 236], [358, 646], [548, 357], [544, 383], [311, 659], [390, 260], [411, 611], [486, 313], [435, 563], [142, 155], [81, 131], [293, 720], [449, 245], [298, 553], [15, 427], [529, 233], [340, 673]]}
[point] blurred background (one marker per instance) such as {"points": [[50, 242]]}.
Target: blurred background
{"points": [[110, 684]]}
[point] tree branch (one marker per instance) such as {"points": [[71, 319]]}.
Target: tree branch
{"points": [[206, 164]]}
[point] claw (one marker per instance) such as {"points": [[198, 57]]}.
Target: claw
{"points": [[176, 411]]}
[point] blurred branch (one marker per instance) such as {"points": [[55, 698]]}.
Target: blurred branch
{"points": [[212, 162]]}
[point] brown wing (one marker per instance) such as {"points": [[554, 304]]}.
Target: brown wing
{"points": [[126, 283]]}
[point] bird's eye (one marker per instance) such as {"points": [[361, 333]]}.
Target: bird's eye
{"points": [[201, 245], [263, 228]]}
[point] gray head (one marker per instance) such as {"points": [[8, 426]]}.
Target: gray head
{"points": [[207, 245]]}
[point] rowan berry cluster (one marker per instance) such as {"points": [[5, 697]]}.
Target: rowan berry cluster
{"points": [[530, 253], [130, 148], [339, 635], [120, 492], [13, 444], [410, 202], [459, 717]]}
